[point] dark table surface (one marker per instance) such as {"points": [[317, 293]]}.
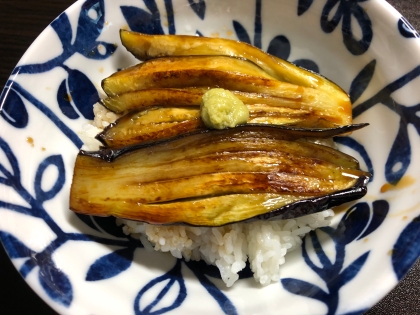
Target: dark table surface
{"points": [[21, 22]]}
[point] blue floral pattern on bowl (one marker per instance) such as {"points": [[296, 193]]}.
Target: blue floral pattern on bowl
{"points": [[333, 261]]}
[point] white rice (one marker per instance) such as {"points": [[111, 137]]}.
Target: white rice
{"points": [[263, 243]]}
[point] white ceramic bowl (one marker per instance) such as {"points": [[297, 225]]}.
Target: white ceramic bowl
{"points": [[83, 265]]}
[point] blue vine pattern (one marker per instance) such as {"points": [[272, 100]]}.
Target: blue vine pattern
{"points": [[55, 283], [406, 249], [279, 46], [172, 277], [357, 223], [399, 157], [75, 96], [344, 11]]}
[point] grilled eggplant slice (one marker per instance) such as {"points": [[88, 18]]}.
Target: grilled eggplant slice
{"points": [[145, 47], [142, 99], [159, 123], [228, 73], [189, 71], [216, 177], [151, 124], [281, 110]]}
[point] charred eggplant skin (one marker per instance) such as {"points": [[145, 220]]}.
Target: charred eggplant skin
{"points": [[216, 177], [317, 204]]}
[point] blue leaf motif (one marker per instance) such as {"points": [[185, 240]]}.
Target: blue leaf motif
{"points": [[99, 50], [241, 32], [171, 278], [70, 134], [91, 22], [83, 93], [407, 248], [406, 29], [308, 260], [307, 64], [110, 265], [225, 304], [347, 10], [357, 47], [384, 95], [53, 160], [303, 6], [258, 24], [13, 110], [379, 213], [55, 283], [412, 115], [15, 175], [14, 247], [198, 7], [352, 224], [64, 101], [361, 81], [62, 27], [328, 25], [170, 16], [90, 26], [303, 288], [356, 146], [400, 156], [141, 21], [353, 269], [323, 258], [279, 46]]}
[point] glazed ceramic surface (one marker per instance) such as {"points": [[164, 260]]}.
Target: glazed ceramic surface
{"points": [[86, 265]]}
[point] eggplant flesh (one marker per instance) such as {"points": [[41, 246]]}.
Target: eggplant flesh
{"points": [[151, 124], [244, 136], [145, 47], [167, 97], [141, 99], [156, 111], [160, 123], [216, 177], [206, 72], [189, 71]]}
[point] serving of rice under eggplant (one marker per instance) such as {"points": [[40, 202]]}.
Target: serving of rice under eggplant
{"points": [[246, 192]]}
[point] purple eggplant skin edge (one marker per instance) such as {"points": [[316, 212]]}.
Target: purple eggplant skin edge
{"points": [[316, 204]]}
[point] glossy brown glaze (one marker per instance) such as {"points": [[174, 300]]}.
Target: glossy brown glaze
{"points": [[213, 177]]}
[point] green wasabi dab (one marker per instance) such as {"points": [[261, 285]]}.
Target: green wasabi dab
{"points": [[221, 109]]}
